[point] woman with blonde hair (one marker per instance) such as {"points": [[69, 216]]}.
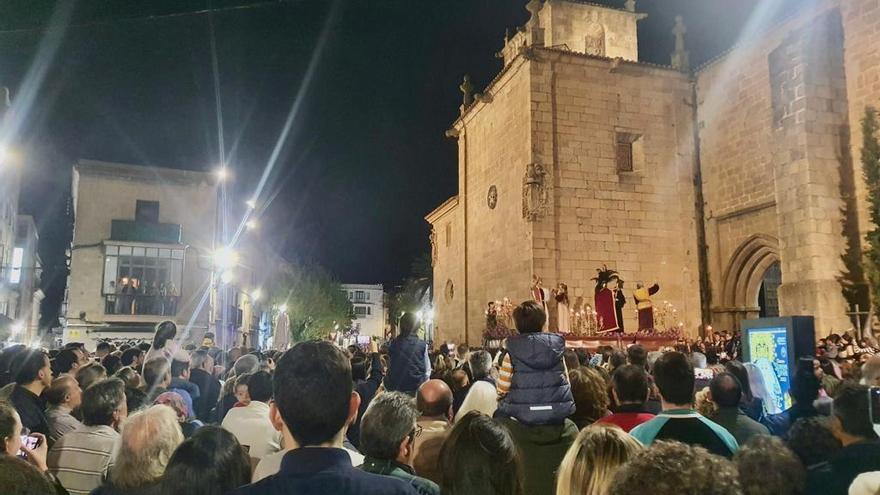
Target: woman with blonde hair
{"points": [[592, 460]]}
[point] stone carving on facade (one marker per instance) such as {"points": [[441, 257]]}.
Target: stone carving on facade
{"points": [[492, 197], [595, 40], [535, 192], [433, 238], [680, 57], [467, 92], [630, 5]]}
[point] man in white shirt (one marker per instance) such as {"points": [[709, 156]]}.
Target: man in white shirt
{"points": [[251, 424]]}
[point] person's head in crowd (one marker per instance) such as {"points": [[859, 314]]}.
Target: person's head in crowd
{"points": [[315, 399], [211, 462], [851, 418], [738, 370], [10, 430], [673, 468], [246, 364], [590, 463], [129, 376], [89, 374], [805, 387], [144, 346], [260, 387], [462, 350], [698, 360], [629, 385], [165, 332], [157, 374], [66, 361], [104, 404], [111, 363], [481, 364], [242, 388], [201, 360], [583, 356], [616, 360], [767, 467], [175, 402], [360, 367], [674, 376], [148, 440], [459, 379], [479, 456], [725, 390], [180, 369], [812, 440], [82, 356], [388, 428], [18, 477], [571, 359], [133, 357], [434, 400], [64, 392], [189, 347], [871, 371], [590, 395], [636, 355], [103, 349], [409, 322], [33, 371], [529, 317]]}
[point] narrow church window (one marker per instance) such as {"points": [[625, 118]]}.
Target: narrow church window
{"points": [[629, 152]]}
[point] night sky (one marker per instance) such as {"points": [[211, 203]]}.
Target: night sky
{"points": [[366, 158]]}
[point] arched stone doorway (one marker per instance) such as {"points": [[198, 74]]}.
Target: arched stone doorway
{"points": [[750, 282]]}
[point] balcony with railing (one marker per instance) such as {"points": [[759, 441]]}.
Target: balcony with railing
{"points": [[140, 305]]}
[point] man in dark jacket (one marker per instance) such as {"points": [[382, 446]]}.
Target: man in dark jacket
{"points": [[200, 373], [851, 424], [367, 373], [537, 398], [314, 403], [388, 435], [32, 374], [410, 365]]}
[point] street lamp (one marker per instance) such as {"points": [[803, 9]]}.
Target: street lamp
{"points": [[251, 203], [252, 224], [222, 174]]}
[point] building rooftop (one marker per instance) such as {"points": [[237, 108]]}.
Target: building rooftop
{"points": [[143, 173]]}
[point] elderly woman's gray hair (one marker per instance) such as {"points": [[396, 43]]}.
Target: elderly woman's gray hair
{"points": [[390, 418], [149, 438], [246, 364], [481, 364]]}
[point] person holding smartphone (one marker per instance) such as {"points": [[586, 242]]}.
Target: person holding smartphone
{"points": [[16, 442]]}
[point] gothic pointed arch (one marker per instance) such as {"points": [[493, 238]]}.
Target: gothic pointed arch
{"points": [[745, 271]]}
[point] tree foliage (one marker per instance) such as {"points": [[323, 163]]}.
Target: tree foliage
{"points": [[871, 169], [315, 301]]}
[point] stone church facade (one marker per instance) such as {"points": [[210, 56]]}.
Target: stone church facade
{"points": [[734, 186]]}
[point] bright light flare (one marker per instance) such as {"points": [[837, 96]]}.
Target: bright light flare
{"points": [[222, 174], [227, 276], [252, 224], [251, 203], [225, 258], [282, 308], [256, 294]]}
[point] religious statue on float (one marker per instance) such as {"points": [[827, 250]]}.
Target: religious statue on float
{"points": [[642, 295], [541, 296], [609, 300], [563, 311]]}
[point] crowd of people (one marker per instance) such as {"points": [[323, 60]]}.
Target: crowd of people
{"points": [[531, 418]]}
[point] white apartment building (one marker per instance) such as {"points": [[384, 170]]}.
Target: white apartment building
{"points": [[141, 252], [371, 314]]}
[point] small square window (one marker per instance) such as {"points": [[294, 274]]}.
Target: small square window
{"points": [[629, 152], [147, 211]]}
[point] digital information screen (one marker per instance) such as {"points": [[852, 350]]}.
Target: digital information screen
{"points": [[768, 349]]}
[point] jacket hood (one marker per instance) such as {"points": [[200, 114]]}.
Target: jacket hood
{"points": [[540, 351]]}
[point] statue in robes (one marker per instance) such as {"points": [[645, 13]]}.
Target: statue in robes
{"points": [[619, 303], [563, 311], [608, 315], [642, 295], [282, 332], [541, 296]]}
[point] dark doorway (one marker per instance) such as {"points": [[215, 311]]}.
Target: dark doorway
{"points": [[768, 294]]}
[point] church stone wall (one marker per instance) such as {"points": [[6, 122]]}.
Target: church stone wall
{"points": [[494, 144], [449, 286], [641, 223]]}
